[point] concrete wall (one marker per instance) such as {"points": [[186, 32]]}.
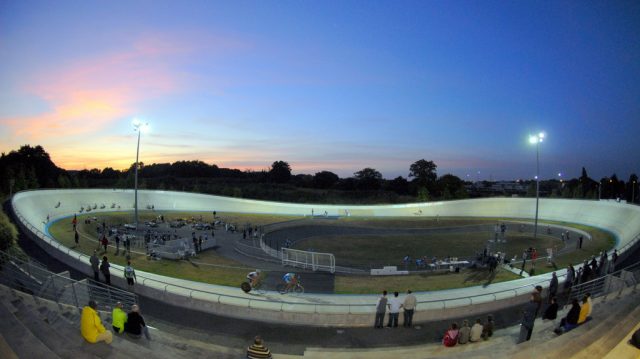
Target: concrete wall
{"points": [[33, 207]]}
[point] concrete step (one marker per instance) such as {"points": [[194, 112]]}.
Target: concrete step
{"points": [[612, 337], [624, 350], [566, 345], [59, 341], [20, 339], [5, 349]]}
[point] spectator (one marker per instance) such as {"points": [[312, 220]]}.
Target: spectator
{"points": [[571, 276], [463, 333], [394, 310], [104, 268], [487, 329], [95, 265], [585, 310], [571, 320], [130, 275], [409, 306], [91, 327], [118, 318], [105, 243], [476, 331], [135, 324], [551, 313], [451, 336], [553, 286], [528, 319], [588, 295], [537, 297], [381, 309], [258, 350], [117, 243], [76, 237]]}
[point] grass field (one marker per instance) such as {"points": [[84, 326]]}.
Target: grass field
{"points": [[220, 270]]}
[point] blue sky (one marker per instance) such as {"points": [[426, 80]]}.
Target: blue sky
{"points": [[337, 85]]}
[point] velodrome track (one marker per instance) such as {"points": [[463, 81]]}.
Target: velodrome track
{"points": [[32, 208]]}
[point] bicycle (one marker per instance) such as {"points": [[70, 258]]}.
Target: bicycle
{"points": [[298, 288], [246, 287]]}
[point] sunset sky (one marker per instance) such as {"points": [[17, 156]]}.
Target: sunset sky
{"points": [[326, 85]]}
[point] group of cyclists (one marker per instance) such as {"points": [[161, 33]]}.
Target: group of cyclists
{"points": [[290, 280]]}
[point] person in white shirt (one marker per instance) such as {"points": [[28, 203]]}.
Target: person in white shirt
{"points": [[409, 306], [394, 310], [476, 331]]}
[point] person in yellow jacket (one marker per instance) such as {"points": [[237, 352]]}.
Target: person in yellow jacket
{"points": [[91, 327], [585, 310], [118, 318]]}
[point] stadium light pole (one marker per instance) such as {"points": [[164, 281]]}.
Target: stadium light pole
{"points": [[138, 127], [537, 139]]}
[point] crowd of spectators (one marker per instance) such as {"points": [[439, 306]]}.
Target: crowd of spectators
{"points": [[468, 334]]}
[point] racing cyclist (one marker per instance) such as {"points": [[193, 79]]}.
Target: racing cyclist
{"points": [[290, 279], [254, 278]]}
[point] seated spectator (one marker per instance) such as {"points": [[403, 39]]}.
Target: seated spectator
{"points": [[463, 333], [476, 331], [118, 318], [91, 327], [258, 350], [551, 313], [135, 324], [451, 336], [571, 320], [585, 309], [588, 295], [487, 329]]}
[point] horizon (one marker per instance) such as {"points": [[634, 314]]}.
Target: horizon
{"points": [[336, 87]]}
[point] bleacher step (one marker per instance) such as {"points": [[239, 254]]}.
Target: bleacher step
{"points": [[20, 339]]}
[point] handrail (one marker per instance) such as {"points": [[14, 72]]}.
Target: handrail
{"points": [[513, 292]]}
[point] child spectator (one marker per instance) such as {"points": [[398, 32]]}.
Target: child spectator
{"points": [[451, 336], [476, 331], [487, 329], [463, 333]]}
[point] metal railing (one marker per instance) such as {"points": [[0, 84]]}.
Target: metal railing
{"points": [[60, 288], [309, 307], [609, 283]]}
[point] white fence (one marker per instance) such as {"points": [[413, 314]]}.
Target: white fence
{"points": [[309, 260]]}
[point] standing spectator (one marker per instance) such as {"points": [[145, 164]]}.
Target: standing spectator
{"points": [[258, 350], [118, 318], [127, 244], [394, 310], [91, 327], [537, 297], [135, 324], [200, 243], [571, 276], [381, 309], [487, 329], [76, 237], [409, 306], [476, 331], [614, 260], [117, 243], [580, 242], [105, 243], [528, 319], [451, 336], [463, 333], [553, 286], [130, 275], [104, 268], [95, 266]]}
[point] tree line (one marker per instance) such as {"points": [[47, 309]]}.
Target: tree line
{"points": [[31, 167]]}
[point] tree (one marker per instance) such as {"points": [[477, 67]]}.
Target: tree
{"points": [[450, 186], [399, 185], [368, 179], [325, 179], [424, 174], [8, 232], [280, 172]]}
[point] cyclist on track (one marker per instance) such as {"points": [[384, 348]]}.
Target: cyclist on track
{"points": [[291, 280], [254, 277]]}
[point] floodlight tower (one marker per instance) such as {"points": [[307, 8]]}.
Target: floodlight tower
{"points": [[537, 140], [138, 126]]}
